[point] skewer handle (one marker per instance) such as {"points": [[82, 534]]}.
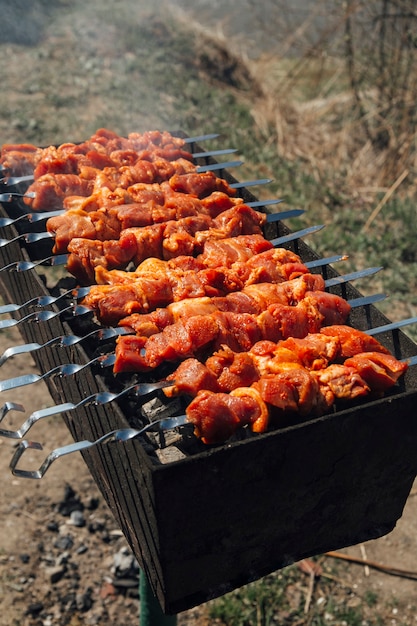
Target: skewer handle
{"points": [[120, 435]]}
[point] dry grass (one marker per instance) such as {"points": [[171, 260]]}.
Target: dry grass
{"points": [[347, 112]]}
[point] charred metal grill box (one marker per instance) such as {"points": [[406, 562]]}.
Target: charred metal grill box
{"points": [[211, 521]]}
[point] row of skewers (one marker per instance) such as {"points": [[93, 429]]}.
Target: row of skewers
{"points": [[176, 264]]}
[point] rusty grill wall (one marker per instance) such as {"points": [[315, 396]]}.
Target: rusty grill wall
{"points": [[226, 515]]}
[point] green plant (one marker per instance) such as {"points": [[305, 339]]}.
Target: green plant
{"points": [[256, 603], [370, 597]]}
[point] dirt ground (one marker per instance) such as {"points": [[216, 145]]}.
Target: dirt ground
{"points": [[56, 568]]}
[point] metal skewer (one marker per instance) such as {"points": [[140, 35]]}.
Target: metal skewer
{"points": [[392, 326], [9, 197], [10, 406], [296, 235], [27, 237], [215, 167], [338, 280], [251, 183], [213, 153], [10, 181], [67, 369], [23, 266], [41, 301], [44, 316], [124, 434], [200, 138], [98, 399], [64, 341], [31, 217]]}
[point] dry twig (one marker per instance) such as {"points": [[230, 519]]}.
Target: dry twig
{"points": [[385, 199], [387, 569]]}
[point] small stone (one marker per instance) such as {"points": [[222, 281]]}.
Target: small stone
{"points": [[68, 602], [93, 504], [70, 502], [84, 601], [77, 518], [63, 558], [25, 558], [96, 525], [34, 609], [64, 543], [125, 565], [107, 590], [105, 536], [55, 573]]}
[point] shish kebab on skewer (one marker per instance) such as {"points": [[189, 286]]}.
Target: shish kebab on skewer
{"points": [[94, 225], [157, 283], [145, 290], [34, 217], [58, 191], [147, 204], [226, 370], [108, 211], [103, 149]]}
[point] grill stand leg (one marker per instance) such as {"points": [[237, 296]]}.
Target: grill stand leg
{"points": [[150, 610]]}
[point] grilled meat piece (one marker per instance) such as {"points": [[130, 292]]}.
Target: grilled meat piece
{"points": [[216, 417]]}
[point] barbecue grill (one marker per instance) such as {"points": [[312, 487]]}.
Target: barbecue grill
{"points": [[203, 520]]}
